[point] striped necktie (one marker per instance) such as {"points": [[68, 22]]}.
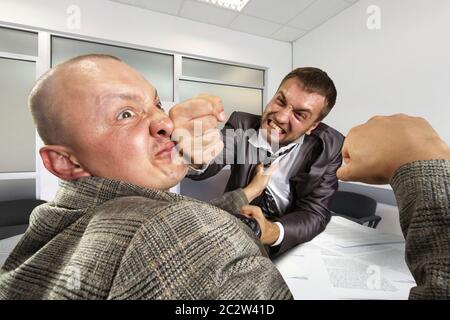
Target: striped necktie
{"points": [[266, 201]]}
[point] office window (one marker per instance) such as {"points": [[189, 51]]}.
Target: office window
{"points": [[223, 72], [17, 132], [155, 67], [19, 42], [240, 88], [233, 98], [17, 189]]}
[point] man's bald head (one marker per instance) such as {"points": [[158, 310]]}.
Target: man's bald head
{"points": [[45, 104]]}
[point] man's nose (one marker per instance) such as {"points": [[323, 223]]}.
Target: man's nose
{"points": [[161, 128], [284, 114]]}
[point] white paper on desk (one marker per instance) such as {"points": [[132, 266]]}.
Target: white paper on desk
{"points": [[305, 248], [345, 233], [386, 256], [352, 278], [349, 269], [296, 266], [340, 264], [293, 267], [306, 275], [391, 258]]}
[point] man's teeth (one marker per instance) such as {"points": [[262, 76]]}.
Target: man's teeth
{"points": [[274, 126]]}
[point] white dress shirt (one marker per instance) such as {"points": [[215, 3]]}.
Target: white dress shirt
{"points": [[279, 185]]}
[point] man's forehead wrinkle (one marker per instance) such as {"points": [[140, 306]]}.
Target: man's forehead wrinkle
{"points": [[298, 100], [104, 98], [92, 80]]}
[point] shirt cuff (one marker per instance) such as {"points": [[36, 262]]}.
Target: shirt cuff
{"points": [[281, 236], [194, 172]]}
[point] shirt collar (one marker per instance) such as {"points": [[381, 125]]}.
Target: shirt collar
{"points": [[259, 141]]}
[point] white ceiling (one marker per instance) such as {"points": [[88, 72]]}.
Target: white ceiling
{"points": [[285, 20]]}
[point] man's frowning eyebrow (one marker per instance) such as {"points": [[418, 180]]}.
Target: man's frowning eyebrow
{"points": [[121, 96], [124, 96], [282, 97]]}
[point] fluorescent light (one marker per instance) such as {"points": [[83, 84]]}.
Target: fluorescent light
{"points": [[236, 5]]}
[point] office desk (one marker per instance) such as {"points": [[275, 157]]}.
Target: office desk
{"points": [[348, 261]]}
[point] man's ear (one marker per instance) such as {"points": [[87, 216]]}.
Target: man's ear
{"points": [[60, 161], [314, 125]]}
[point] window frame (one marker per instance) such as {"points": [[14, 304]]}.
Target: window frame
{"points": [[22, 175]]}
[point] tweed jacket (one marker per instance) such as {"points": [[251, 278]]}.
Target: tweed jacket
{"points": [[312, 186], [422, 189], [104, 239]]}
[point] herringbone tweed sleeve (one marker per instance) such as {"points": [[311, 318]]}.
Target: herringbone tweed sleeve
{"points": [[422, 189], [231, 201], [192, 250]]}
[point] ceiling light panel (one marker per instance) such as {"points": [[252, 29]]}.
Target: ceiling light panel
{"points": [[236, 5]]}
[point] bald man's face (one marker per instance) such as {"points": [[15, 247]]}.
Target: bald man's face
{"points": [[115, 123]]}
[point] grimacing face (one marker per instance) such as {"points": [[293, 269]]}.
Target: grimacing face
{"points": [[291, 113], [116, 124]]}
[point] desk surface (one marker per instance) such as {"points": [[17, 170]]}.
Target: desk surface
{"points": [[348, 261]]}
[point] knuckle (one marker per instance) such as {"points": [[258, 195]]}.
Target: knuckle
{"points": [[210, 122], [174, 111], [217, 100]]}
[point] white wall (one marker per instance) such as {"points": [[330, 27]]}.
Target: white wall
{"points": [[117, 22], [403, 67]]}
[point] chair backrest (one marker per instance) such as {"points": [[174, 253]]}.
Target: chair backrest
{"points": [[353, 204]]}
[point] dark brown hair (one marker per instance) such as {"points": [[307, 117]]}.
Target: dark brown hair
{"points": [[317, 81]]}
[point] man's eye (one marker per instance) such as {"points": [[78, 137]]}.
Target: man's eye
{"points": [[301, 116], [125, 114], [159, 105]]}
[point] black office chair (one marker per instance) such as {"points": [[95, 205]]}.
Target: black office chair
{"points": [[15, 215], [356, 207]]}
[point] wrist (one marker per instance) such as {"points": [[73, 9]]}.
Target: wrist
{"points": [[273, 233], [251, 193], [437, 151]]}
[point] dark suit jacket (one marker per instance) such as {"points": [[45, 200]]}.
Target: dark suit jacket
{"points": [[312, 186]]}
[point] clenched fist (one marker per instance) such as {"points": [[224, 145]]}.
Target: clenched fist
{"points": [[373, 151], [195, 128], [269, 230]]}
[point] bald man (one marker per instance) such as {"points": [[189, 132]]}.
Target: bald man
{"points": [[113, 231]]}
